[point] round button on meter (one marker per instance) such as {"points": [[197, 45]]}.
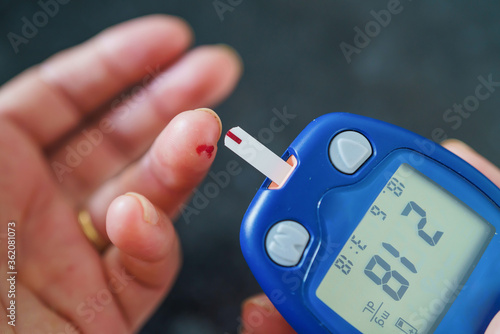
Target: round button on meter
{"points": [[349, 150], [286, 242]]}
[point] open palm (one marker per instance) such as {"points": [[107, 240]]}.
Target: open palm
{"points": [[78, 132]]}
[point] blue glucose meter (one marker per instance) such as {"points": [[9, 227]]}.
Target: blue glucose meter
{"points": [[374, 229]]}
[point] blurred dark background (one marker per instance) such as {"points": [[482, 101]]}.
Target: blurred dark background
{"points": [[428, 58]]}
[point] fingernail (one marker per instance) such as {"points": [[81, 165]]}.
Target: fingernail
{"points": [[149, 213], [214, 114], [233, 51], [452, 141], [457, 144]]}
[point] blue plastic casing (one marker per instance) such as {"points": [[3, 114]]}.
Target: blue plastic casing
{"points": [[330, 205]]}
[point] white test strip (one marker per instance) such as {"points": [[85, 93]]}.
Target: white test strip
{"points": [[257, 155]]}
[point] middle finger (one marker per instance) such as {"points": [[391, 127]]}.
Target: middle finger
{"points": [[203, 77]]}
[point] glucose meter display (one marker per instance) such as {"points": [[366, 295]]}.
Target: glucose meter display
{"points": [[406, 261]]}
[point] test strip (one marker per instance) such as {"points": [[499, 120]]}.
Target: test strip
{"points": [[257, 155]]}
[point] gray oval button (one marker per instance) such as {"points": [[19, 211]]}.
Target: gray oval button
{"points": [[349, 150], [286, 242]]}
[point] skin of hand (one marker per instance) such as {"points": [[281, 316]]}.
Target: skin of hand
{"points": [[259, 316], [101, 127]]}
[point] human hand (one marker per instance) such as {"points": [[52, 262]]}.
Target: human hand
{"points": [[66, 145], [259, 316]]}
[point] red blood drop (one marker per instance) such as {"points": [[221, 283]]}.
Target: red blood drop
{"points": [[205, 148]]}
